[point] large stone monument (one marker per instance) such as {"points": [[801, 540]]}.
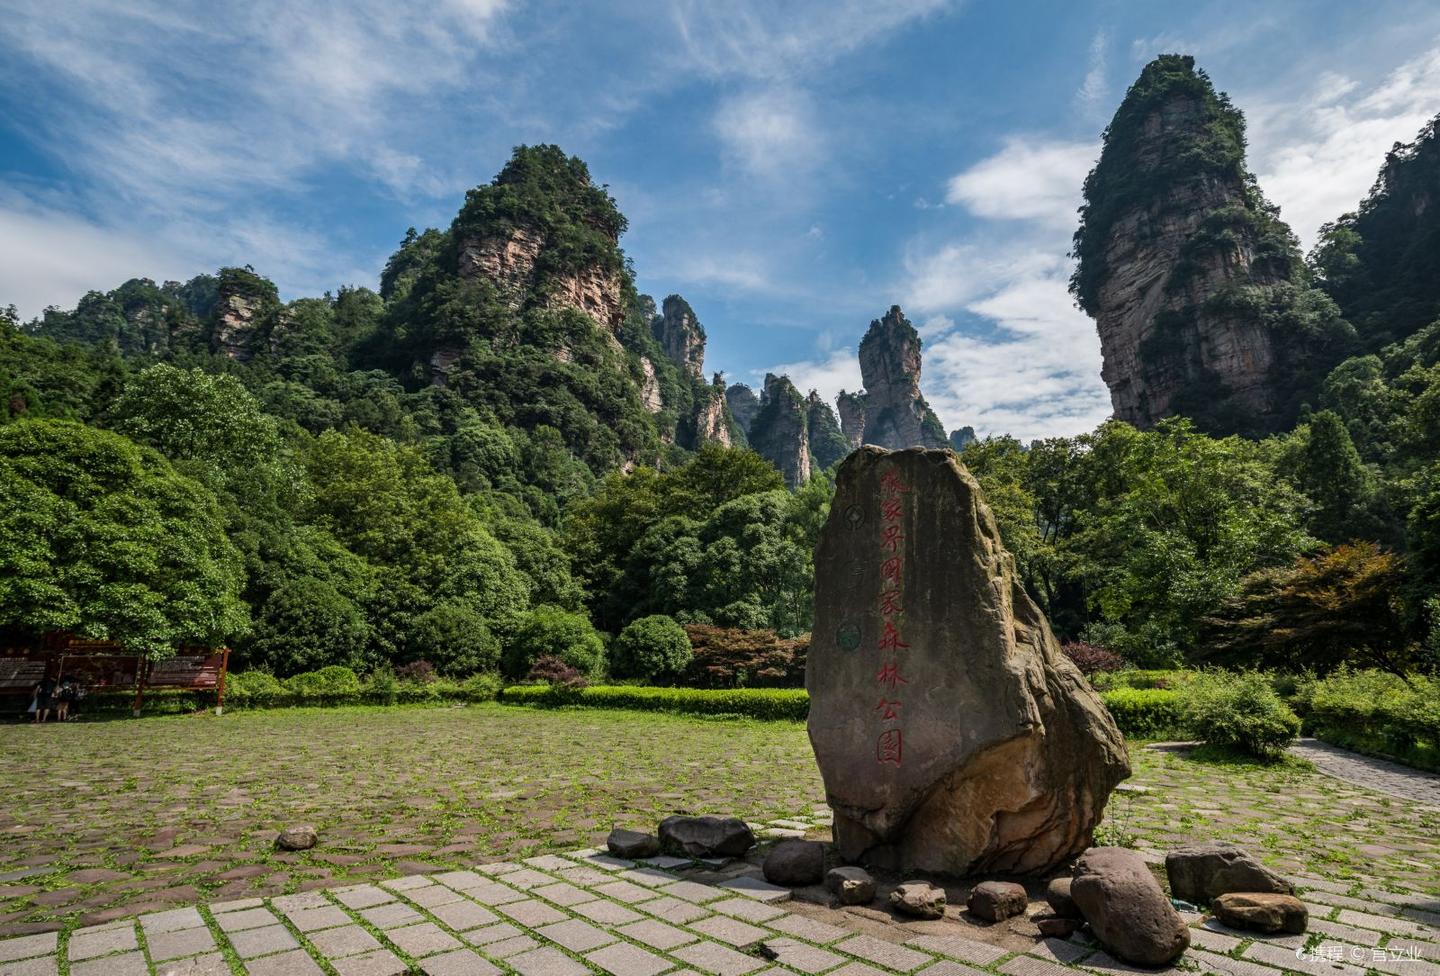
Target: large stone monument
{"points": [[952, 734]]}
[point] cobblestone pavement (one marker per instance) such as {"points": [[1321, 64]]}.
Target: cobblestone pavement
{"points": [[586, 912], [1377, 774]]}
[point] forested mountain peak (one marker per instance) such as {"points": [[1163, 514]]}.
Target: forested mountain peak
{"points": [[1195, 283]]}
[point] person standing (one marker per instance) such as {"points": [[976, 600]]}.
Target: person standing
{"points": [[44, 699]]}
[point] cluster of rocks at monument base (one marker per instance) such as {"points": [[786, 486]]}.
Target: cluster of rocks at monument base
{"points": [[952, 734]]}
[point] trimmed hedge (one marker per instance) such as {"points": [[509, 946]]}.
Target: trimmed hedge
{"points": [[256, 689], [1140, 713], [764, 703]]}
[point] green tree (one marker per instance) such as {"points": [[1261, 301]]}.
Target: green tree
{"points": [[650, 648], [104, 538], [552, 632], [1332, 475]]}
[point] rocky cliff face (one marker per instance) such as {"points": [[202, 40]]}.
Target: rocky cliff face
{"points": [[744, 405], [244, 309], [510, 261], [827, 443], [962, 438], [891, 413], [650, 386], [681, 336], [778, 433], [712, 419], [1194, 282]]}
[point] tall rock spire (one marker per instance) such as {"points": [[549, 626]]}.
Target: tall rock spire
{"points": [[892, 413]]}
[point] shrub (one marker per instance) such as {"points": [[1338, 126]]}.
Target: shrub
{"points": [[1145, 713], [1375, 711], [382, 687], [1240, 710], [455, 638], [1092, 658], [253, 689], [790, 704], [550, 631], [651, 647], [553, 671], [420, 672], [729, 657], [485, 686], [1136, 678], [332, 682]]}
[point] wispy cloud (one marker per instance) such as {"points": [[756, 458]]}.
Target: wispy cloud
{"points": [[1093, 91], [1032, 178], [770, 132], [1318, 156]]}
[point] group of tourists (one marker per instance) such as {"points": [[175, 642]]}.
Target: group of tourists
{"points": [[57, 696]]}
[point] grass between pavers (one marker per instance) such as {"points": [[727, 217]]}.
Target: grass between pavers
{"points": [[183, 809]]}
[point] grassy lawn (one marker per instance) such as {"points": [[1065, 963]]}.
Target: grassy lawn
{"points": [[113, 818]]}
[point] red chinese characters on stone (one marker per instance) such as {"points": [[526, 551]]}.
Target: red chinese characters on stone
{"points": [[889, 748]]}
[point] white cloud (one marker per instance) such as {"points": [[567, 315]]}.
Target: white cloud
{"points": [[770, 132], [1317, 157], [1029, 179], [51, 258], [1094, 89], [840, 370]]}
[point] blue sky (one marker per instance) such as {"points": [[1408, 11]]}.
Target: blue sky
{"points": [[792, 169]]}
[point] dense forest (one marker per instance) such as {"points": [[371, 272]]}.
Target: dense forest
{"points": [[492, 456]]}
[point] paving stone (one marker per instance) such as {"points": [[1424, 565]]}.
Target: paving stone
{"points": [[460, 880], [424, 939], [575, 934], [493, 893], [802, 957], [498, 867], [802, 927], [674, 910], [562, 893], [968, 950], [948, 968], [390, 916], [712, 957], [623, 959], [210, 964], [431, 896], [171, 921], [1204, 938], [463, 915], [253, 943], [747, 908], [527, 878], [532, 912], [461, 962], [665, 862], [883, 953], [545, 962], [605, 862], [655, 934], [126, 964], [248, 918], [1061, 950], [235, 905], [1019, 966], [649, 877], [1383, 923], [28, 945], [362, 896], [1103, 962], [730, 930], [305, 900], [34, 966], [1213, 962], [692, 891], [380, 962], [586, 877], [626, 891], [314, 919], [492, 933], [606, 912], [101, 940], [408, 883], [347, 940], [1347, 932], [758, 889], [548, 862], [510, 947], [858, 969], [164, 946]]}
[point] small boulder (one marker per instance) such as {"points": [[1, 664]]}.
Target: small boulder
{"points": [[995, 901], [1056, 926], [706, 836], [1057, 893], [852, 885], [795, 863], [1262, 911], [300, 837], [1203, 872], [1126, 907], [920, 899], [632, 844]]}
